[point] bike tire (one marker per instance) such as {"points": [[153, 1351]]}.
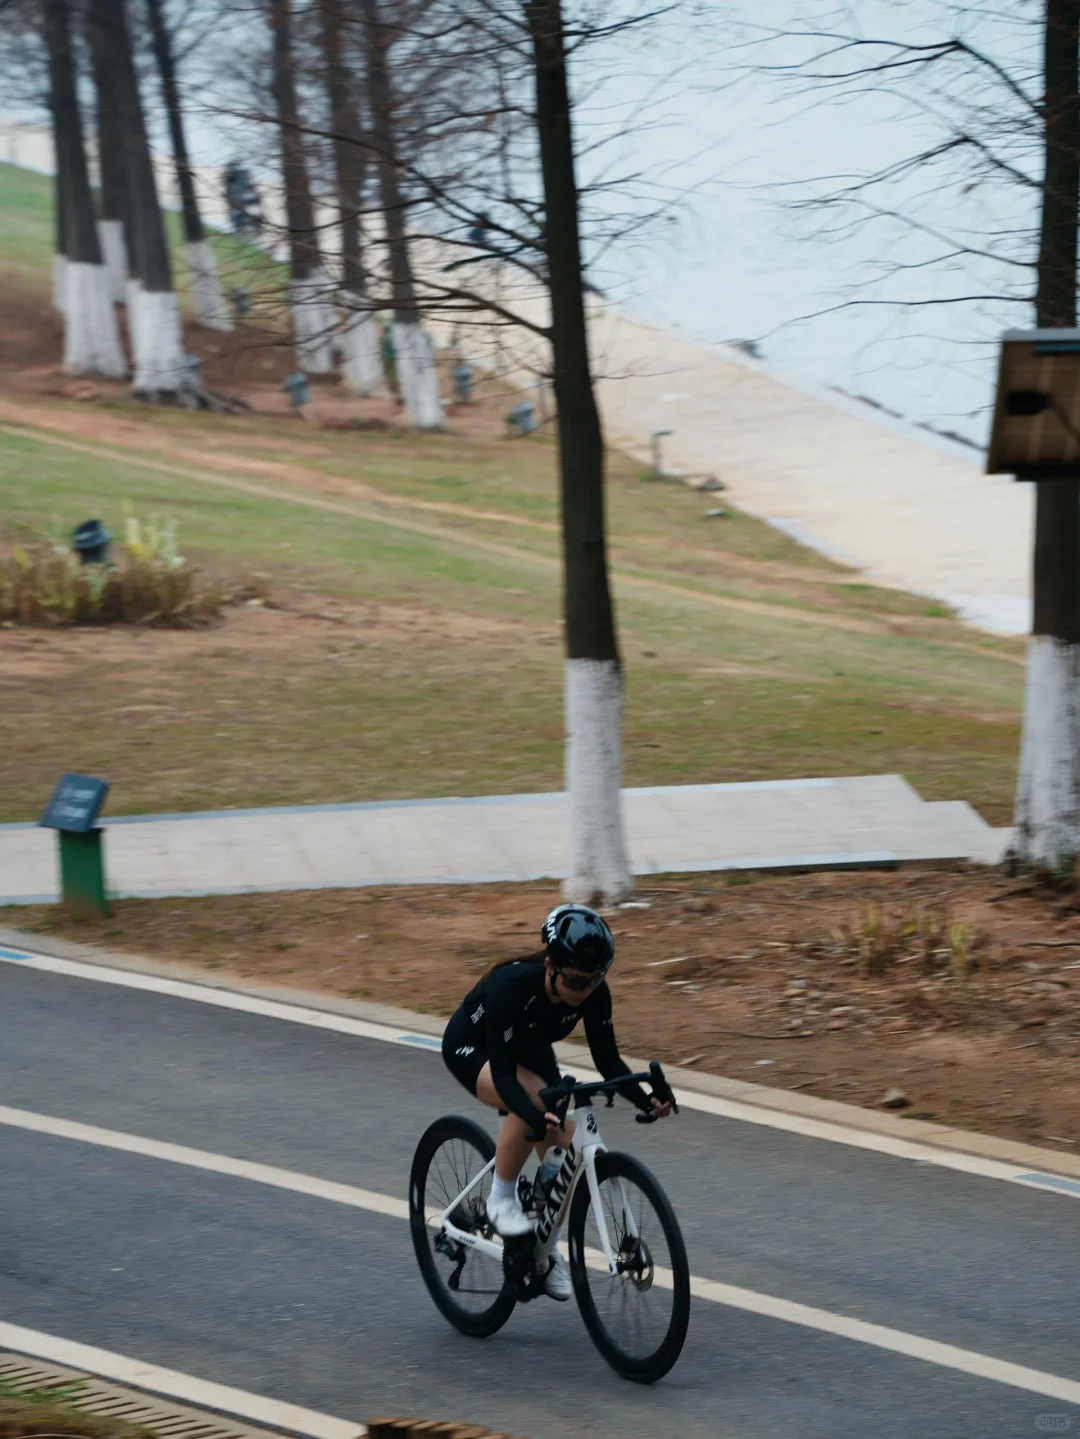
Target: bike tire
{"points": [[641, 1367], [472, 1142]]}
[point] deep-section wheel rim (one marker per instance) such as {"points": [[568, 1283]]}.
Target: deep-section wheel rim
{"points": [[638, 1316], [467, 1285]]}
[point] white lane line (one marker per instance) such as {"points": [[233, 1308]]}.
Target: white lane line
{"points": [[896, 1341], [740, 1111], [256, 1408], [204, 1159], [860, 1331]]}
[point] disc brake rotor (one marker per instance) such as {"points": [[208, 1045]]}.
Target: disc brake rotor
{"points": [[636, 1263]]}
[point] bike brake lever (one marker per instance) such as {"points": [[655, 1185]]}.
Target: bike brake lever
{"points": [[662, 1090]]}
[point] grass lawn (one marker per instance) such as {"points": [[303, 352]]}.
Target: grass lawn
{"points": [[418, 652], [415, 648]]}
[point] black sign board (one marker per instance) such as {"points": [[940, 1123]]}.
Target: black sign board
{"points": [[76, 803]]}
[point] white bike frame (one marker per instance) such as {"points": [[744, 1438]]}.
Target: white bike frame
{"points": [[580, 1158]]}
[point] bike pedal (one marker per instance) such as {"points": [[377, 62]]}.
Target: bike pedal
{"points": [[517, 1265]]}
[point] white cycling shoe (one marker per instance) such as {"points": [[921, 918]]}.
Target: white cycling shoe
{"points": [[508, 1217], [558, 1285]]}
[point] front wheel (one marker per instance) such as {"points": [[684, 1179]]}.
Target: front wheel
{"points": [[467, 1285], [638, 1316]]}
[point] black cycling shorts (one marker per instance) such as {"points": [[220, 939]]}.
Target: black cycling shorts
{"points": [[465, 1058]]}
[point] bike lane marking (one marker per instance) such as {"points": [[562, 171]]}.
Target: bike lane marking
{"points": [[859, 1331], [175, 1384], [734, 1109]]}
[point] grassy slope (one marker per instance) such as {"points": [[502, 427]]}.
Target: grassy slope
{"points": [[746, 655], [26, 226], [26, 241]]}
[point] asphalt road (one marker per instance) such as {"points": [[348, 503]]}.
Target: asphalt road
{"points": [[309, 1301]]}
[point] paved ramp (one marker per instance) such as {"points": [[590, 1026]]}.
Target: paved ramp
{"points": [[816, 823]]}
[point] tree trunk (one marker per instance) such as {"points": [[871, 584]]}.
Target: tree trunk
{"points": [[310, 302], [350, 155], [210, 307], [415, 359], [153, 315], [362, 363], [114, 225], [91, 337], [1047, 819], [594, 681], [59, 266]]}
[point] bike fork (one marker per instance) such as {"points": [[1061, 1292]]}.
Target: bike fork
{"points": [[598, 1212]]}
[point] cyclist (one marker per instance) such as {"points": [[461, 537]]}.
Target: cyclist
{"points": [[498, 1044]]}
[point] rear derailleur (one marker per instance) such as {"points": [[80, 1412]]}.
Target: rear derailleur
{"points": [[470, 1215]]}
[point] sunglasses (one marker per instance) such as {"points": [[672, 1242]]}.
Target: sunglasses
{"points": [[581, 984]]}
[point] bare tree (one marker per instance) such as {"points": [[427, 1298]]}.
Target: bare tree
{"points": [[413, 350], [948, 223], [153, 313], [210, 307], [1047, 821], [989, 204], [310, 297], [114, 224], [594, 678], [91, 338], [60, 228], [478, 178], [480, 226], [362, 363]]}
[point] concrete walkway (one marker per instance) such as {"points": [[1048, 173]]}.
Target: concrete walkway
{"points": [[816, 823]]}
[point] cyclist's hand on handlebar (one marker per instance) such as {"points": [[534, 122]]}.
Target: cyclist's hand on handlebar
{"points": [[656, 1110], [560, 1134]]}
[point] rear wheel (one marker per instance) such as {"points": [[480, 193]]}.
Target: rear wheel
{"points": [[467, 1285], [637, 1317]]}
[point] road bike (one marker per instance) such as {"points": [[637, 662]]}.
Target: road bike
{"points": [[627, 1257]]}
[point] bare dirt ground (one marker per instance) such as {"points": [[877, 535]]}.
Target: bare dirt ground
{"points": [[960, 988]]}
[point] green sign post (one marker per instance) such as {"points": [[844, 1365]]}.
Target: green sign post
{"points": [[73, 811]]}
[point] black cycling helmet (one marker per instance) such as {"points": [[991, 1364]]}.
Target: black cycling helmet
{"points": [[577, 938]]}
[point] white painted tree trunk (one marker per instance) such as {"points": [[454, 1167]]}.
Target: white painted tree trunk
{"points": [[314, 324], [132, 291], [91, 335], [59, 282], [211, 309], [159, 348], [598, 868], [361, 353], [1047, 832], [114, 253], [417, 376]]}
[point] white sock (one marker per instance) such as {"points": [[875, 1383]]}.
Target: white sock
{"points": [[502, 1189]]}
